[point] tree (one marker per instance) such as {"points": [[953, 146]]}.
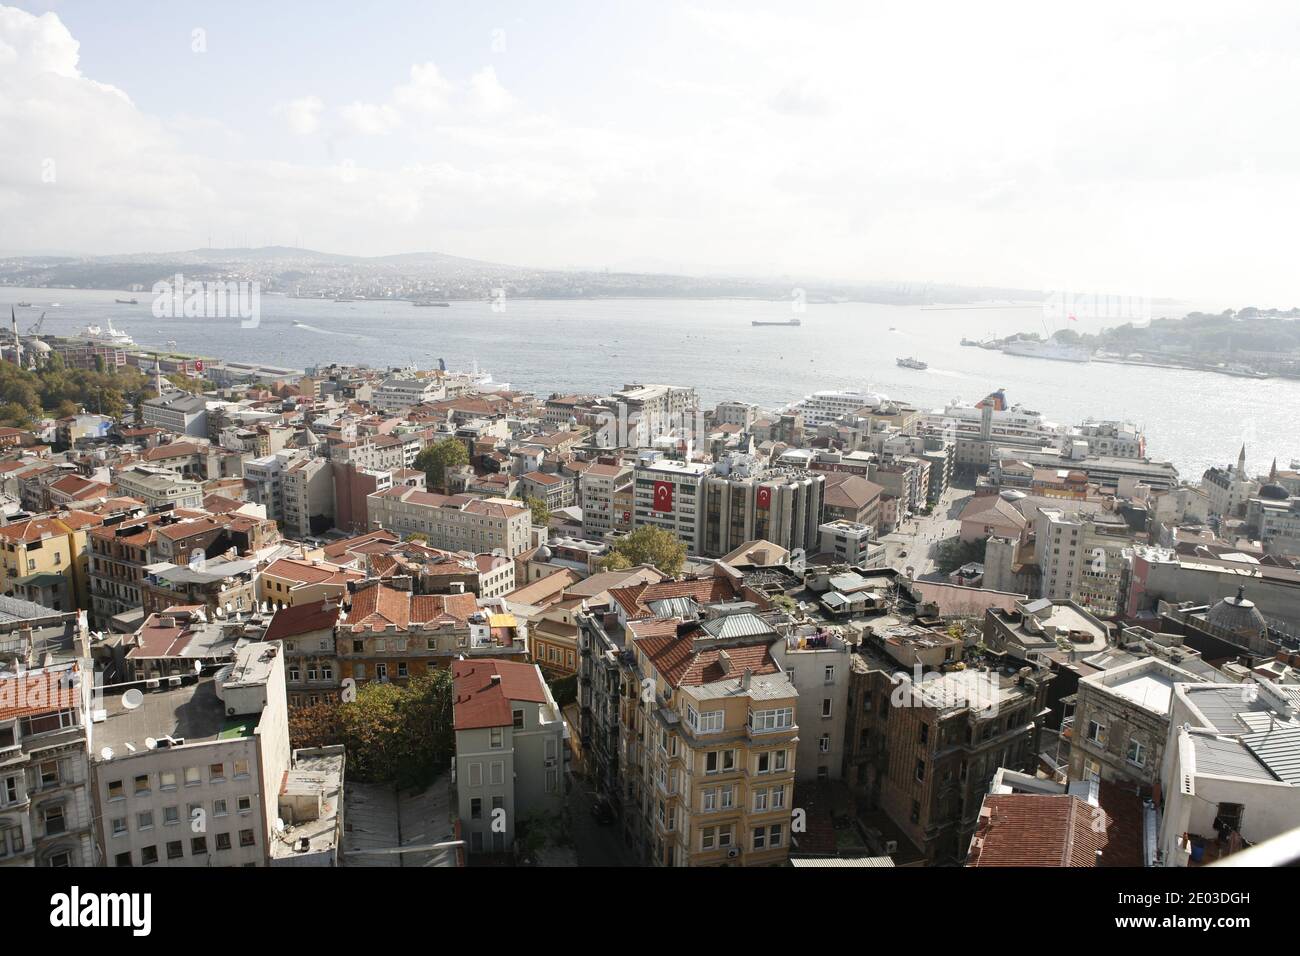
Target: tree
{"points": [[437, 459], [541, 513], [954, 552], [647, 545], [392, 733]]}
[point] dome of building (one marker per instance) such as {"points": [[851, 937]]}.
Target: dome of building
{"points": [[1274, 493], [1237, 615], [38, 346], [543, 553]]}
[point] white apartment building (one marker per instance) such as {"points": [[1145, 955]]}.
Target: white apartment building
{"points": [[1082, 558], [264, 481], [666, 495], [188, 772], [307, 495], [599, 487], [512, 750], [817, 663], [400, 392], [177, 411]]}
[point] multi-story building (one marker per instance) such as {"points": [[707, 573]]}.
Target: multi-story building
{"points": [[1111, 438], [667, 495], [599, 488], [190, 774], [816, 661], [1229, 488], [1120, 720], [264, 481], [159, 488], [946, 737], [709, 743], [46, 809], [742, 501], [221, 583], [288, 582], [512, 750], [1081, 557], [52, 547], [651, 410], [554, 491], [306, 632], [177, 411], [453, 522], [306, 498], [850, 543], [399, 392]]}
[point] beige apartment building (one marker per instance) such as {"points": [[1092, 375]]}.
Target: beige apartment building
{"points": [[709, 737], [453, 522]]}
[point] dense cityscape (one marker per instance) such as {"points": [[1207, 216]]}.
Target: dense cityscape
{"points": [[499, 439]]}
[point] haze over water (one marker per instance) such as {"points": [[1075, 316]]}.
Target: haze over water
{"points": [[1194, 419]]}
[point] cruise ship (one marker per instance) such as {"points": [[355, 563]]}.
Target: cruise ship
{"points": [[830, 406], [107, 336], [1032, 348]]}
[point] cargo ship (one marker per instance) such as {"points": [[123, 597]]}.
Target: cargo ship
{"points": [[910, 362], [786, 322]]}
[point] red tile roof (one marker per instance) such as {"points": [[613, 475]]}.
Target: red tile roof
{"points": [[379, 606], [40, 693], [482, 703], [302, 619], [681, 665], [1024, 829]]}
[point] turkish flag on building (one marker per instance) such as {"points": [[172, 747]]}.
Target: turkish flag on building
{"points": [[663, 496], [764, 498]]}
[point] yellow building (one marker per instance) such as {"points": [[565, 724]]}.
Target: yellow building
{"points": [[289, 581], [713, 782], [39, 551]]}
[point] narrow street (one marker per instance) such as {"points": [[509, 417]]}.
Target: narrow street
{"points": [[597, 844]]}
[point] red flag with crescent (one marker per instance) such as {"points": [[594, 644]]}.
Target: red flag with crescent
{"points": [[663, 496], [764, 498]]}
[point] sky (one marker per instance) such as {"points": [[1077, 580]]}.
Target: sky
{"points": [[1137, 149]]}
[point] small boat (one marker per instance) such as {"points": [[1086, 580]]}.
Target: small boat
{"points": [[787, 322], [24, 305], [432, 305], [912, 363], [127, 301], [345, 299]]}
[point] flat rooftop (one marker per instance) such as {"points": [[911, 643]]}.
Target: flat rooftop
{"points": [[191, 711], [1150, 691]]}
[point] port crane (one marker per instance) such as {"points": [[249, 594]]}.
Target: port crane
{"points": [[36, 327]]}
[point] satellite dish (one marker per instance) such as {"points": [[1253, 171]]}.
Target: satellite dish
{"points": [[106, 753], [197, 560], [279, 825], [132, 698], [198, 667], [151, 743]]}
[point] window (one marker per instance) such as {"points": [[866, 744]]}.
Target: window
{"points": [[223, 841], [167, 780], [517, 717], [497, 772], [216, 772], [122, 859], [760, 837], [171, 815], [824, 743], [774, 835], [708, 837], [148, 855], [476, 775], [778, 761], [198, 846], [1097, 732], [920, 770], [725, 795], [245, 804], [829, 675], [175, 850], [220, 808], [476, 808], [142, 785], [241, 768], [49, 774], [144, 820], [778, 798], [760, 801], [709, 801], [246, 838], [115, 790], [925, 733], [119, 826], [54, 823], [1137, 754], [192, 778], [496, 738], [766, 721]]}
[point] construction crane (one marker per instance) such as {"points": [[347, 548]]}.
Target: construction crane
{"points": [[36, 328]]}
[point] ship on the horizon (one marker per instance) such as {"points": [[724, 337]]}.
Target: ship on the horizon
{"points": [[786, 322], [24, 305], [1034, 348], [910, 362], [127, 301], [107, 336], [432, 305]]}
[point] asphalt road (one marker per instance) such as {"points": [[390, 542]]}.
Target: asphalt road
{"points": [[920, 536]]}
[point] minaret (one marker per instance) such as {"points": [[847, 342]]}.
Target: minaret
{"points": [[18, 343], [1272, 472], [1241, 461]]}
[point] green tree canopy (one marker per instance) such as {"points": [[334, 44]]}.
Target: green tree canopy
{"points": [[647, 545], [541, 513], [436, 459]]}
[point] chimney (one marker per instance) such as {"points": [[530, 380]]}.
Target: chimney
{"points": [[725, 660], [495, 680], [746, 678]]}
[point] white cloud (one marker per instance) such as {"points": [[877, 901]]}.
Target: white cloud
{"points": [[370, 119], [487, 94], [302, 115], [427, 92]]}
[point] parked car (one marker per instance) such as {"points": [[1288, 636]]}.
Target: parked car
{"points": [[602, 811]]}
